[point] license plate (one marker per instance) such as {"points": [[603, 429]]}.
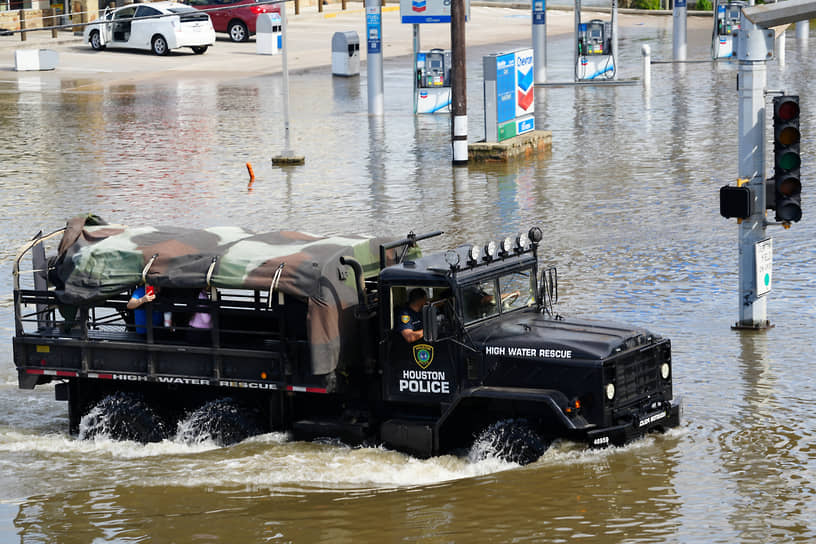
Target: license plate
{"points": [[652, 418]]}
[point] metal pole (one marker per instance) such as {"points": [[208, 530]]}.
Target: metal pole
{"points": [[802, 31], [780, 48], [287, 150], [751, 83], [679, 38], [575, 38], [374, 62], [417, 46], [540, 40], [459, 83], [288, 157], [647, 65], [614, 39]]}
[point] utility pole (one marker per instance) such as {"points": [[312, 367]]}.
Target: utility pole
{"points": [[459, 83]]}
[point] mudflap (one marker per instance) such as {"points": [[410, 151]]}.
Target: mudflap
{"points": [[642, 424], [413, 437], [29, 381]]}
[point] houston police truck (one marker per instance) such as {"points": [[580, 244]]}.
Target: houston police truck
{"points": [[246, 333]]}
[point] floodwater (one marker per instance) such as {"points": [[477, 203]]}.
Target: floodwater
{"points": [[628, 202]]}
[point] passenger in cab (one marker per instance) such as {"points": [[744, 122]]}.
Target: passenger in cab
{"points": [[409, 320]]}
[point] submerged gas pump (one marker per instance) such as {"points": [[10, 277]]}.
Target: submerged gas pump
{"points": [[594, 46], [595, 38], [726, 23], [432, 81]]}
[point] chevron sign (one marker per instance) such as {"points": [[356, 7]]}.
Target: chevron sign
{"points": [[524, 82]]}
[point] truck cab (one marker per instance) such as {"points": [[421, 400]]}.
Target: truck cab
{"points": [[495, 350]]}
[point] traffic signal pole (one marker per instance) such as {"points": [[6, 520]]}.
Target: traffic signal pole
{"points": [[753, 48], [752, 79]]}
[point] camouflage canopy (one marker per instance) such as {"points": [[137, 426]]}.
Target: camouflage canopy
{"points": [[96, 261]]}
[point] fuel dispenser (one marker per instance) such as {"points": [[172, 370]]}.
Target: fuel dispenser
{"points": [[595, 46], [432, 81], [595, 38], [726, 24]]}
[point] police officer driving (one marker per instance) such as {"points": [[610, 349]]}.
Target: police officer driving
{"points": [[409, 320]]}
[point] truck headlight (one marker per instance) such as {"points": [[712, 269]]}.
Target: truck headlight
{"points": [[610, 391], [665, 371]]}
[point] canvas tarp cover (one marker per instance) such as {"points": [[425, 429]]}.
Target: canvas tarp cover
{"points": [[97, 261]]}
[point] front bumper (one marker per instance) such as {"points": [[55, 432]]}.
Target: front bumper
{"points": [[641, 424]]}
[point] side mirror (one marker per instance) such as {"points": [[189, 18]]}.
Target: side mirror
{"points": [[548, 289], [430, 327]]}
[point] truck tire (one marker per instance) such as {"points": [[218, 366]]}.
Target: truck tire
{"points": [[512, 440], [223, 421], [122, 416]]}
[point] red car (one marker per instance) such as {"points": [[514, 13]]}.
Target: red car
{"points": [[235, 17]]}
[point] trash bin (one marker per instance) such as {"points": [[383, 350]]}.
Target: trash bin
{"points": [[346, 53], [268, 39]]}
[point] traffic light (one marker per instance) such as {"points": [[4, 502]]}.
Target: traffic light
{"points": [[787, 185]]}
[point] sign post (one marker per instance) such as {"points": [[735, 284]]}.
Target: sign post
{"points": [[374, 62], [679, 30], [540, 39]]}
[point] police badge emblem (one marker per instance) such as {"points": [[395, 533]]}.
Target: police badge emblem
{"points": [[423, 355]]}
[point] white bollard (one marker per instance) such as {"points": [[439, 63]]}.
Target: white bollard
{"points": [[647, 65], [802, 30]]}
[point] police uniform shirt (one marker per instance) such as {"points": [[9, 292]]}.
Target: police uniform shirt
{"points": [[409, 320]]}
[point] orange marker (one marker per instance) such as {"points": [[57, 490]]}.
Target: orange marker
{"points": [[251, 173]]}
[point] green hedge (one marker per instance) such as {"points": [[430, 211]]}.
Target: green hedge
{"points": [[646, 4]]}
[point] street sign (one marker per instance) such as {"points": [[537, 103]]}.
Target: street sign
{"points": [[764, 266], [374, 30]]}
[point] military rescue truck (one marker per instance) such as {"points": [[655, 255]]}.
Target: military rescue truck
{"points": [[301, 334]]}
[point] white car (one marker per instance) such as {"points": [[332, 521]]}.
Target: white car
{"points": [[159, 27]]}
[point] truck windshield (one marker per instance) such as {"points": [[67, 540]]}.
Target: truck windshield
{"points": [[515, 290]]}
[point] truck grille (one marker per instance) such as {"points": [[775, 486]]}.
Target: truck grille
{"points": [[637, 375]]}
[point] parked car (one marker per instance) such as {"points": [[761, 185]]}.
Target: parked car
{"points": [[159, 27], [235, 17]]}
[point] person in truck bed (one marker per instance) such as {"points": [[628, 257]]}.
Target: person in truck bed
{"points": [[139, 298]]}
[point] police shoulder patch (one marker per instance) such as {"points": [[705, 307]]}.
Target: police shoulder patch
{"points": [[405, 318]]}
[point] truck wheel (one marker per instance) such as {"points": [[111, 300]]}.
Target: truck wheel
{"points": [[223, 421], [512, 440], [122, 416]]}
